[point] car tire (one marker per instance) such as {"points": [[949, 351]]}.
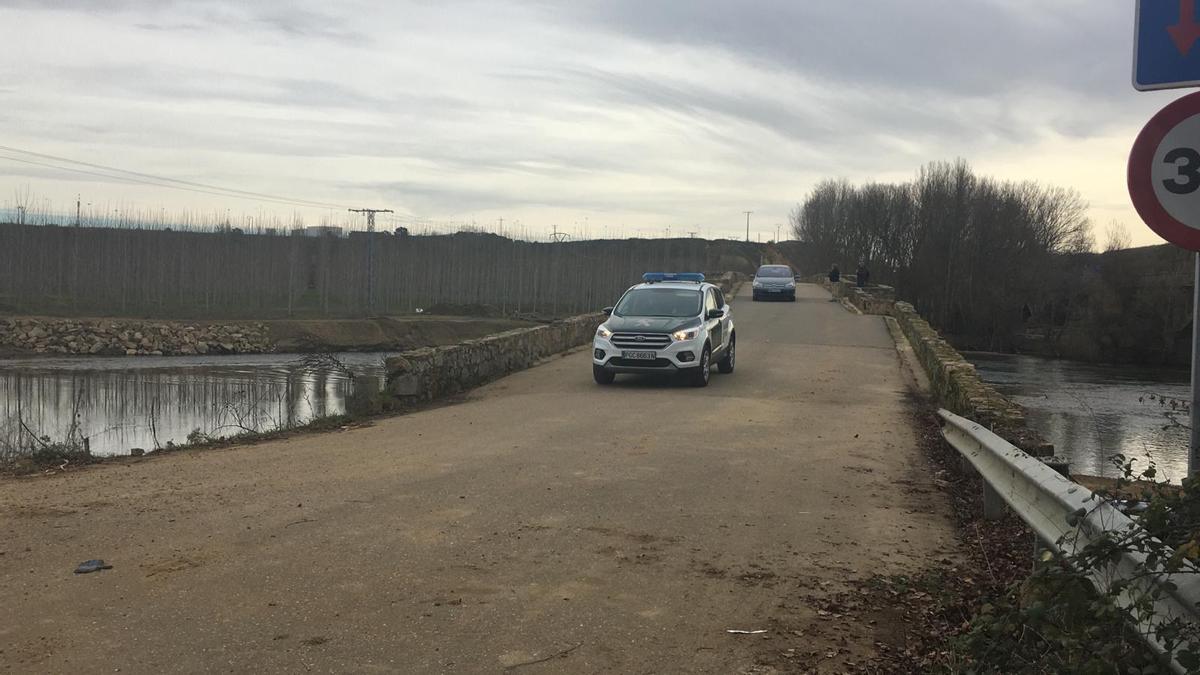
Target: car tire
{"points": [[726, 364], [792, 298], [700, 377], [754, 297], [602, 376]]}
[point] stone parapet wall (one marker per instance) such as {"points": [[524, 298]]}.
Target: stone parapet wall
{"points": [[726, 281], [954, 380], [123, 337], [431, 373], [958, 387]]}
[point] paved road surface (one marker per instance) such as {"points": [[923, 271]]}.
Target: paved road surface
{"points": [[625, 528]]}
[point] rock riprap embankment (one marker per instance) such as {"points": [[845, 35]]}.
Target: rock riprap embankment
{"points": [[119, 337]]}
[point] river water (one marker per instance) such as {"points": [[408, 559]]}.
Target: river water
{"points": [[1093, 412], [121, 403]]}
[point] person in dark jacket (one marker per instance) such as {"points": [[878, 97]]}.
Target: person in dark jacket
{"points": [[863, 275], [835, 275]]}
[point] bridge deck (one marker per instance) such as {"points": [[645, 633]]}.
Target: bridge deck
{"points": [[631, 525]]}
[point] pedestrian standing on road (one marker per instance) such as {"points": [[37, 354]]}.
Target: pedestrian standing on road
{"points": [[835, 275], [862, 276]]}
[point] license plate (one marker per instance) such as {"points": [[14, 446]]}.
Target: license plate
{"points": [[639, 356]]}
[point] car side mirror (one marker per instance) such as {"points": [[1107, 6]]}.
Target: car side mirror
{"points": [[607, 311], [716, 314]]}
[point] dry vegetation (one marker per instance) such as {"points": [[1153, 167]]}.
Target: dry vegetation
{"points": [[48, 269]]}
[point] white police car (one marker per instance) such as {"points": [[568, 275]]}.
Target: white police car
{"points": [[671, 324]]}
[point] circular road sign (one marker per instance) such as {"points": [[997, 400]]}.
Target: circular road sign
{"points": [[1164, 173]]}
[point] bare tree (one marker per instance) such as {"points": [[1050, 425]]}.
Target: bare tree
{"points": [[1116, 237], [962, 246], [23, 200]]}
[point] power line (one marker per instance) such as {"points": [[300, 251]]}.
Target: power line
{"points": [[161, 181], [145, 182], [139, 178]]}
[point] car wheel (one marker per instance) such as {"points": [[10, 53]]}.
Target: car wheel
{"points": [[792, 298], [601, 375], [700, 377], [725, 365]]}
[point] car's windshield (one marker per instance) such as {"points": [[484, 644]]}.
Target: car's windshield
{"points": [[774, 271], [673, 302]]}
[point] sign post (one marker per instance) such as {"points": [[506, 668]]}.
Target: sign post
{"points": [[1164, 183], [1194, 444]]}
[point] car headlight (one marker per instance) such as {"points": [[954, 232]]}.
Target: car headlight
{"points": [[603, 331], [791, 284], [758, 284], [683, 335]]}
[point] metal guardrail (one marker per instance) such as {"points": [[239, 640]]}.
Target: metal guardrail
{"points": [[1068, 517]]}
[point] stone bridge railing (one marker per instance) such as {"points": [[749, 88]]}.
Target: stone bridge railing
{"points": [[424, 375], [953, 380]]}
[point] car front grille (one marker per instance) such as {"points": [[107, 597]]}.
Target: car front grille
{"points": [[641, 340], [662, 364]]}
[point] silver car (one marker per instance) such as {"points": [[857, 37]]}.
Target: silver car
{"points": [[775, 281]]}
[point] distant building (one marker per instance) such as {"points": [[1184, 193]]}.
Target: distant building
{"points": [[322, 231]]}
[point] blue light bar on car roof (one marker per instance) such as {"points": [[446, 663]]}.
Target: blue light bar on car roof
{"points": [[653, 277]]}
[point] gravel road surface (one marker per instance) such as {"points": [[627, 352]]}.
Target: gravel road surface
{"points": [[545, 524]]}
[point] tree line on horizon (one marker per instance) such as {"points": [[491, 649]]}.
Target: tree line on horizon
{"points": [[981, 258]]}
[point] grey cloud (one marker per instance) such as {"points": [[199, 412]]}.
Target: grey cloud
{"points": [[429, 197], [978, 47], [868, 88], [286, 18], [308, 24], [172, 27], [154, 82], [708, 112]]}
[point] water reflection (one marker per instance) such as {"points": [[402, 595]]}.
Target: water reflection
{"points": [[1093, 412], [146, 402]]}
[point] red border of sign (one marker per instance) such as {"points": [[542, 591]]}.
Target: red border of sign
{"points": [[1140, 172]]}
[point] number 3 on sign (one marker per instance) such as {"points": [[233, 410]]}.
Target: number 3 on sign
{"points": [[1164, 173], [1189, 170]]}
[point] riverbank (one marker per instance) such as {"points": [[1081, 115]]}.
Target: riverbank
{"points": [[48, 336]]}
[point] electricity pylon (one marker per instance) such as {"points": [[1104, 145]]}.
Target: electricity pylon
{"points": [[371, 254]]}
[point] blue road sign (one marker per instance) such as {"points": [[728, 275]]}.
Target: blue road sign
{"points": [[1166, 53]]}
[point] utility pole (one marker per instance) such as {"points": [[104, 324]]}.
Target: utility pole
{"points": [[747, 224], [777, 226], [371, 253], [78, 200]]}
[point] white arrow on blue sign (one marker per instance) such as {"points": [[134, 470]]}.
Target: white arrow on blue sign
{"points": [[1166, 52]]}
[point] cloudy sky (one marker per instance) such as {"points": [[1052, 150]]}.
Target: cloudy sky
{"points": [[604, 117]]}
